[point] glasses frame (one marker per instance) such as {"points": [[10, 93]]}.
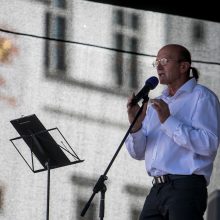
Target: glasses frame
{"points": [[163, 62]]}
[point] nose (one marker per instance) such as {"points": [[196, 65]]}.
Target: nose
{"points": [[159, 67]]}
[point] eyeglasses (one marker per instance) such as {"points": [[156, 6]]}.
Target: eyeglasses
{"points": [[162, 61]]}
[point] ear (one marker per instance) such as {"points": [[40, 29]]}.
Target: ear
{"points": [[184, 66]]}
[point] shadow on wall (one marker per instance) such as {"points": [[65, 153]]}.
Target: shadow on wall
{"points": [[85, 184], [125, 33], [125, 28], [2, 190]]}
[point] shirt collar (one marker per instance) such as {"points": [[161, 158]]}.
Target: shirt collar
{"points": [[186, 87]]}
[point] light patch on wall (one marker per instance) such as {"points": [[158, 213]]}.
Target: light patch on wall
{"points": [[7, 50]]}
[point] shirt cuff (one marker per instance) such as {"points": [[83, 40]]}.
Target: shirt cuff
{"points": [[170, 126], [137, 134]]}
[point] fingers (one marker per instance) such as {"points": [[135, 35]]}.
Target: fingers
{"points": [[144, 108], [132, 110], [158, 103], [162, 109], [130, 98]]}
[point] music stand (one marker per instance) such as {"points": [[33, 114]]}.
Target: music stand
{"points": [[44, 147]]}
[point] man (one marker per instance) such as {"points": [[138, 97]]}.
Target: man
{"points": [[178, 137]]}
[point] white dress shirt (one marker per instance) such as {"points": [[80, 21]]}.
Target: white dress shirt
{"points": [[187, 142]]}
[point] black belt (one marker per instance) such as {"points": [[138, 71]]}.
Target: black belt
{"points": [[160, 179], [169, 177]]}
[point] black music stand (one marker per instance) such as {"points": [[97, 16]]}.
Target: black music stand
{"points": [[44, 147]]}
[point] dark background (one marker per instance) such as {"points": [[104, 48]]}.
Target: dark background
{"points": [[200, 9]]}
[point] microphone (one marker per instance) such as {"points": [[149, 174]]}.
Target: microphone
{"points": [[150, 84]]}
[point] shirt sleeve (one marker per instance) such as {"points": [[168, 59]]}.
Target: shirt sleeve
{"points": [[136, 145], [202, 137]]}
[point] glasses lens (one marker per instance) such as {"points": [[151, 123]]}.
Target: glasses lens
{"points": [[155, 63], [163, 61]]}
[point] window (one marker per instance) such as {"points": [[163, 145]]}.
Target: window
{"points": [[198, 31], [55, 28], [1, 198], [125, 37]]}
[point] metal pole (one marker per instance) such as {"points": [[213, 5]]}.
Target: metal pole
{"points": [[48, 189]]}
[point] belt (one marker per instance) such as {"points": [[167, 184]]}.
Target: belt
{"points": [[160, 179], [169, 177]]}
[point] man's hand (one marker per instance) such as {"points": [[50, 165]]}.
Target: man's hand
{"points": [[162, 109], [132, 111]]}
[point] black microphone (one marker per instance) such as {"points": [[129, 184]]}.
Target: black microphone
{"points": [[150, 84]]}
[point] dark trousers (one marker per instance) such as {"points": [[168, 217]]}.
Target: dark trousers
{"points": [[183, 198]]}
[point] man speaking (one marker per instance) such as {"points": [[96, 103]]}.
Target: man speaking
{"points": [[177, 135]]}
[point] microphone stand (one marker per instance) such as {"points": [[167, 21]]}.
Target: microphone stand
{"points": [[100, 186]]}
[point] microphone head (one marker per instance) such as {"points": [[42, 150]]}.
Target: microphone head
{"points": [[152, 82]]}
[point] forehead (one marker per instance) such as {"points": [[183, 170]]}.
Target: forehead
{"points": [[168, 52]]}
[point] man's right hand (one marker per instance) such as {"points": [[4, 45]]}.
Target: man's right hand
{"points": [[132, 111]]}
